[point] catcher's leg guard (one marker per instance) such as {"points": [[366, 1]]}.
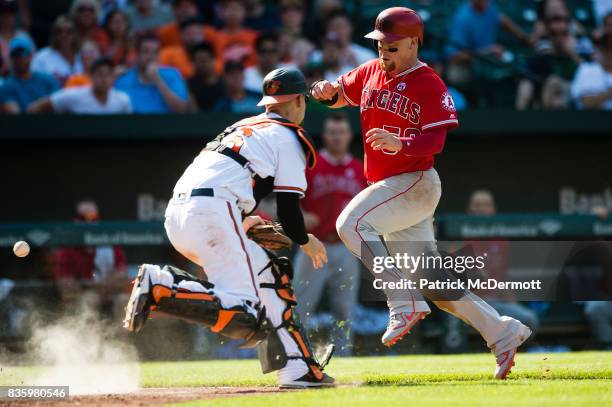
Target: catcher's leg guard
{"points": [[272, 353], [169, 294]]}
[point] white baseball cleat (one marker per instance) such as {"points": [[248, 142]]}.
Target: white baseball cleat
{"points": [[139, 305], [505, 360], [400, 325]]}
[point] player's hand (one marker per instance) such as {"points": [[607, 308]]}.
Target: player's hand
{"points": [[324, 90], [316, 251], [380, 139], [251, 221]]}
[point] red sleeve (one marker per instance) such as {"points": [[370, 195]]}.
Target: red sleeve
{"points": [[352, 85], [426, 144], [438, 107]]}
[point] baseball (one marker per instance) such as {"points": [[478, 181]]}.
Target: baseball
{"points": [[21, 249]]}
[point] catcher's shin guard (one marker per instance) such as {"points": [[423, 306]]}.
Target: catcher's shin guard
{"points": [[271, 352], [206, 309]]}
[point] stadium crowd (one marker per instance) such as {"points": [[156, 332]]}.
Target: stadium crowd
{"points": [[174, 56]]}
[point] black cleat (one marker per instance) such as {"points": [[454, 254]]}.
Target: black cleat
{"points": [[309, 381]]}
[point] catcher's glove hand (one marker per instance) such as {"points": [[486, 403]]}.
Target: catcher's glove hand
{"points": [[269, 235]]}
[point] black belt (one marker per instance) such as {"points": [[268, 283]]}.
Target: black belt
{"points": [[203, 192]]}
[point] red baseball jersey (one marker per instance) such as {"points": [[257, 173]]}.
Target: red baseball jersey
{"points": [[331, 186], [407, 104]]}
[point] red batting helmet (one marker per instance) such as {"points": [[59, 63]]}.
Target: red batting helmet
{"points": [[396, 23]]}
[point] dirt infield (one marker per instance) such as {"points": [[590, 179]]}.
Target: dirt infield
{"points": [[153, 396]]}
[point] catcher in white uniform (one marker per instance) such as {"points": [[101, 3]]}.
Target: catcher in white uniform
{"points": [[248, 293]]}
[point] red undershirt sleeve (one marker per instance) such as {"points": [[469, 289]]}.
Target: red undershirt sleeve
{"points": [[428, 143]]}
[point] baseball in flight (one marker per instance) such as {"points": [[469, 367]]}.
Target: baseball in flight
{"points": [[21, 249]]}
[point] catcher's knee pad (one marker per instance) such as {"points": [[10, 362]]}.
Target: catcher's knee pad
{"points": [[271, 352], [206, 309]]}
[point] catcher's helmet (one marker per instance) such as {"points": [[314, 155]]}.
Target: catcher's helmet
{"points": [[397, 23]]}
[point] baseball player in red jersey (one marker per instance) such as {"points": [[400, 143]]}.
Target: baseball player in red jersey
{"points": [[333, 183], [406, 112]]}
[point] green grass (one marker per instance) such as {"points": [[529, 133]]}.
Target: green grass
{"points": [[576, 379], [518, 393]]}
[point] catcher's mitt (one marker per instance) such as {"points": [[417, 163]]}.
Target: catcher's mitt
{"points": [[270, 236]]}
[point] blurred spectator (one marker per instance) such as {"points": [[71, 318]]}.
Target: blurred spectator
{"points": [[482, 203], [292, 17], [205, 85], [151, 88], [295, 51], [331, 58], [108, 6], [147, 15], [119, 47], [555, 63], [592, 85], [44, 14], [324, 8], [550, 9], [24, 86], [235, 98], [170, 34], [60, 58], [340, 27], [235, 42], [294, 47], [85, 15], [268, 59], [337, 178], [458, 97], [601, 8], [192, 33], [260, 16], [473, 31], [9, 30], [99, 273], [599, 314], [89, 54], [99, 98]]}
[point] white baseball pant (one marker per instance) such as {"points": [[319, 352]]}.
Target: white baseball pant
{"points": [[208, 231], [401, 209]]}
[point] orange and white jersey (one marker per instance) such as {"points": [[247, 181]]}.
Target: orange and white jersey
{"points": [[272, 150]]}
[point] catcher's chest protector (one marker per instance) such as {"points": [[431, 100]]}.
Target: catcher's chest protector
{"points": [[303, 137]]}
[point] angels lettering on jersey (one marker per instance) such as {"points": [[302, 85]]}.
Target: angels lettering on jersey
{"points": [[406, 104], [391, 101]]}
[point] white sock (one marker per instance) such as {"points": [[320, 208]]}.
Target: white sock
{"points": [[294, 369]]}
